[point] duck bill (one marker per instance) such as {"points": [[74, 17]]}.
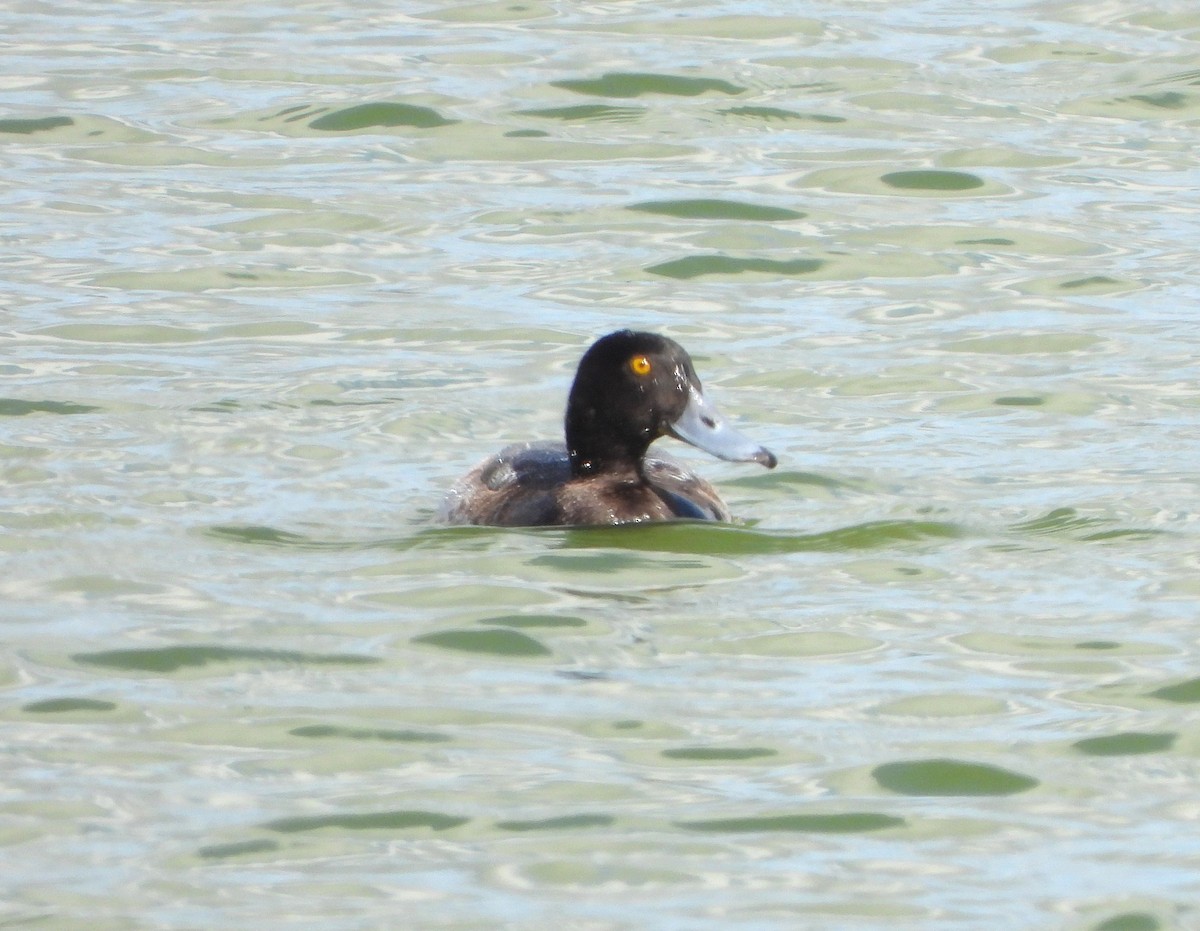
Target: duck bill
{"points": [[702, 425]]}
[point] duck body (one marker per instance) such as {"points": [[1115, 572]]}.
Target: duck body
{"points": [[630, 389], [530, 485]]}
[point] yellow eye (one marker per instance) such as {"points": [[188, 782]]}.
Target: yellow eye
{"points": [[640, 365]]}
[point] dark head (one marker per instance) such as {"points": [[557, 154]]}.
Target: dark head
{"points": [[631, 389]]}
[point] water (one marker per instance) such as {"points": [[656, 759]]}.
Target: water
{"points": [[275, 276]]}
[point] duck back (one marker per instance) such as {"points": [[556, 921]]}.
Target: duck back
{"points": [[530, 485]]}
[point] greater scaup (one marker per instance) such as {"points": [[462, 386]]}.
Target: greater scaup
{"points": [[630, 389]]}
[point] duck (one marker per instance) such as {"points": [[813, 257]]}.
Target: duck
{"points": [[631, 389]]}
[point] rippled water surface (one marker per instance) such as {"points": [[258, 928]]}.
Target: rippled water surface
{"points": [[274, 276]]}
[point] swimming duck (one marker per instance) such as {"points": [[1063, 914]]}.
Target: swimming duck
{"points": [[630, 389]]}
